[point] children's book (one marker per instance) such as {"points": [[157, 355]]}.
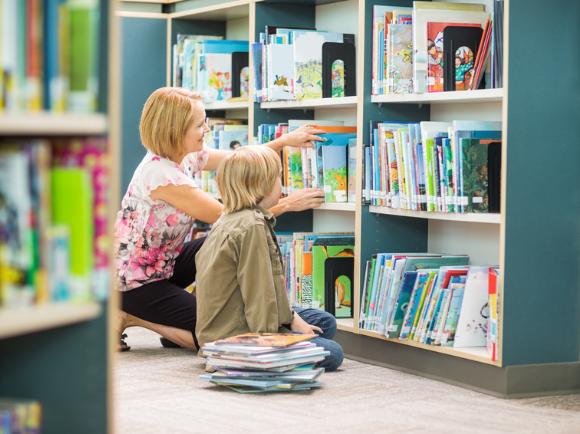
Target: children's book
{"points": [[280, 72], [334, 169], [424, 12], [351, 171], [401, 58], [474, 314], [265, 339], [322, 251], [308, 61]]}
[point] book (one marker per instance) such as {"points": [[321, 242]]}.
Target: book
{"points": [[264, 339], [473, 317], [334, 168]]}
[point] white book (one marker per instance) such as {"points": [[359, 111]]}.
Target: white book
{"points": [[280, 72], [473, 317]]}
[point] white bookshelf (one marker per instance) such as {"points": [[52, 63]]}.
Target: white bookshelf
{"points": [[46, 123], [454, 217], [30, 319], [347, 101], [227, 105], [222, 11], [476, 354], [468, 96], [348, 207]]}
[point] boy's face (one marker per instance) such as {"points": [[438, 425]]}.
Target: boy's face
{"points": [[274, 196]]}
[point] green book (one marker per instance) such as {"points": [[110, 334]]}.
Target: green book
{"points": [[475, 174], [72, 206], [343, 286]]}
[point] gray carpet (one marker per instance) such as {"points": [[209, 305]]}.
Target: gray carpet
{"points": [[158, 391]]}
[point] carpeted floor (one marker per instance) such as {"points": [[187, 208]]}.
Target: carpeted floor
{"points": [[158, 391]]}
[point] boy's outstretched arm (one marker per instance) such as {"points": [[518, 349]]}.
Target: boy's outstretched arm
{"points": [[264, 307]]}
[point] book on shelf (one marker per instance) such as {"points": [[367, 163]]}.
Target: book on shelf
{"points": [[447, 167], [207, 64], [20, 416], [319, 270], [50, 55], [54, 242], [434, 299], [303, 63], [318, 167], [434, 47], [264, 362]]}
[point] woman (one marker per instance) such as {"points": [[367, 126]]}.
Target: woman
{"points": [[154, 261]]}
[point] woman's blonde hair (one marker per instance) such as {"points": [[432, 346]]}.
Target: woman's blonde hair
{"points": [[166, 116], [246, 176]]}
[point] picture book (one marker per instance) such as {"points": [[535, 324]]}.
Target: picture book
{"points": [[400, 58], [280, 72], [327, 250], [460, 45], [435, 59], [308, 61], [474, 314], [265, 339], [351, 172], [334, 168], [424, 12]]}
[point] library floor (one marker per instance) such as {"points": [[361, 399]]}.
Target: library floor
{"points": [[158, 391]]}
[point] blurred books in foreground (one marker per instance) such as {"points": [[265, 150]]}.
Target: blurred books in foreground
{"points": [[264, 362], [20, 417]]}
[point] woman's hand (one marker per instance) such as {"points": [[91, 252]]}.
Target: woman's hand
{"points": [[299, 201], [301, 326], [303, 137]]}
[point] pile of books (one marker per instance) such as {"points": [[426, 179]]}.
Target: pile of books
{"points": [[264, 362]]}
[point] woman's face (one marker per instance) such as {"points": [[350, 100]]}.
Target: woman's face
{"points": [[193, 140]]}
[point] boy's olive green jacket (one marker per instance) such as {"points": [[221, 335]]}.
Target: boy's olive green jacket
{"points": [[240, 278]]}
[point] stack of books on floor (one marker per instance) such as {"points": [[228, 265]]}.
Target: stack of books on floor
{"points": [[264, 362]]}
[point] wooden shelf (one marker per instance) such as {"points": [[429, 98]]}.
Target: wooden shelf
{"points": [[347, 101], [476, 354], [219, 11], [30, 319], [455, 217], [349, 207], [345, 324], [227, 105], [66, 124], [468, 96]]}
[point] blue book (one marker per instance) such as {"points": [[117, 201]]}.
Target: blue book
{"points": [[334, 174], [414, 302], [402, 304], [331, 139], [224, 46]]}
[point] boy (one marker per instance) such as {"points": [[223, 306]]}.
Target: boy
{"points": [[241, 288]]}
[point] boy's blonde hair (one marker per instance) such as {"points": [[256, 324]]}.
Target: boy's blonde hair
{"points": [[166, 116], [246, 176]]}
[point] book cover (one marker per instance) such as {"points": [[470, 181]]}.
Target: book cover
{"points": [[217, 83], [424, 12], [401, 58], [308, 62], [322, 251], [460, 45], [351, 170], [334, 169], [265, 339], [280, 72], [474, 314]]}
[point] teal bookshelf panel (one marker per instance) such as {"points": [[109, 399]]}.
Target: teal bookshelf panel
{"points": [[66, 370], [542, 242], [143, 70]]}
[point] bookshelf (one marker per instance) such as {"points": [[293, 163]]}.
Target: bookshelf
{"points": [[521, 239], [34, 124], [470, 96], [343, 102], [32, 319], [61, 354]]}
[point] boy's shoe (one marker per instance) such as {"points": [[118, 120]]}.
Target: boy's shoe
{"points": [[166, 343], [122, 344]]}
